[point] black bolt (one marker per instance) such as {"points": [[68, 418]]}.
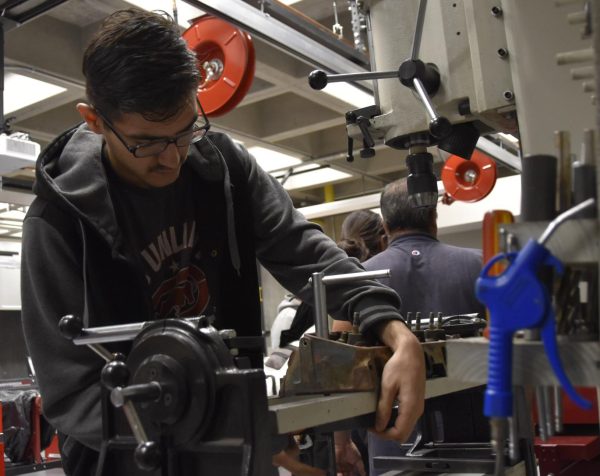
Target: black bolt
{"points": [[496, 11], [367, 153], [464, 107], [508, 95], [502, 52]]}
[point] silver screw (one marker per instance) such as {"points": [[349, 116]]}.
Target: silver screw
{"points": [[470, 176]]}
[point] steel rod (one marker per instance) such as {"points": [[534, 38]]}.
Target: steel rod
{"points": [[344, 278], [321, 324]]}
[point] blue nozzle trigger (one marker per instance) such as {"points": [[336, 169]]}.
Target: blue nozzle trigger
{"points": [[503, 256], [549, 339]]}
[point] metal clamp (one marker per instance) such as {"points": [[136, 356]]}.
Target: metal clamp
{"points": [[319, 281]]}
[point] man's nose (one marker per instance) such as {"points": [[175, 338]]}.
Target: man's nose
{"points": [[170, 157]]}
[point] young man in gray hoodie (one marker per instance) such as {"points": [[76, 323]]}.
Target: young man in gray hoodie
{"points": [[142, 214]]}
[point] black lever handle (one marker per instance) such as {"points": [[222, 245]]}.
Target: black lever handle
{"points": [[363, 124], [318, 79], [350, 153], [425, 80]]}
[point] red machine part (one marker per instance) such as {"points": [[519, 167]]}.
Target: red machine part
{"points": [[491, 243], [492, 221], [2, 469], [571, 454], [568, 456], [469, 180], [226, 60]]}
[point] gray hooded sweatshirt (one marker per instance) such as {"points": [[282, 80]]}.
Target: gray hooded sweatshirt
{"points": [[76, 260]]}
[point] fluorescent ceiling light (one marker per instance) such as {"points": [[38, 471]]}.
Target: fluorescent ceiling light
{"points": [[269, 159], [22, 91], [349, 94], [318, 176], [185, 12], [289, 2], [12, 215]]}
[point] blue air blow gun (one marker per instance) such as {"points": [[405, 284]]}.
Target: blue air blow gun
{"points": [[517, 299]]}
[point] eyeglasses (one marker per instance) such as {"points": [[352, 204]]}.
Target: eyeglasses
{"points": [[155, 147]]}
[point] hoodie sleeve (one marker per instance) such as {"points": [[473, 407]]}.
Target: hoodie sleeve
{"points": [[52, 286], [292, 248]]}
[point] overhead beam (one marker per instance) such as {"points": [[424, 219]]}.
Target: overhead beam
{"points": [[278, 34]]}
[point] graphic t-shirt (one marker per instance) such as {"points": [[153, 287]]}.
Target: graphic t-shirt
{"points": [[162, 231]]}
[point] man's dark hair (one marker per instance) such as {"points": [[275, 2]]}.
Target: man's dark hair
{"points": [[398, 214], [139, 62]]}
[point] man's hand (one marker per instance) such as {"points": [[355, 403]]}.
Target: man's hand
{"points": [[288, 459], [403, 378], [347, 457]]}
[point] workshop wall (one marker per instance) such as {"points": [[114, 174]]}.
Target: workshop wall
{"points": [[10, 275]]}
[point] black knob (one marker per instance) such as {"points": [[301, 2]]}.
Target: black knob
{"points": [[147, 456], [427, 73], [350, 155], [363, 124], [70, 326], [367, 152], [114, 374], [440, 127], [317, 79]]}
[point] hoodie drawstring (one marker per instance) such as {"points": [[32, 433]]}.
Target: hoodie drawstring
{"points": [[86, 312], [231, 235]]}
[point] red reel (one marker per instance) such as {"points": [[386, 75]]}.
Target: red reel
{"points": [[226, 60], [469, 180]]}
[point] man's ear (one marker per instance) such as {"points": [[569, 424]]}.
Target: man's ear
{"points": [[383, 242], [91, 118], [386, 228]]}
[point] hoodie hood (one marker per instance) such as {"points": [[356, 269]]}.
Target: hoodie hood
{"points": [[70, 173]]}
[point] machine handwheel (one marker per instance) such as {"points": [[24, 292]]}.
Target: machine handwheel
{"points": [[226, 61], [469, 180], [181, 360]]}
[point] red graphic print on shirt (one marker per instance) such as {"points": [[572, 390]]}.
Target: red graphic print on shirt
{"points": [[183, 295]]}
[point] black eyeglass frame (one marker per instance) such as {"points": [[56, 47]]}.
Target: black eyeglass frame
{"points": [[133, 149]]}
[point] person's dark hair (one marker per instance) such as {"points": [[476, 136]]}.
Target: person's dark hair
{"points": [[398, 214], [354, 248], [138, 62], [362, 226]]}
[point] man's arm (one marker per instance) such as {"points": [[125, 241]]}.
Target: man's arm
{"points": [[403, 379], [292, 248], [68, 375]]}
